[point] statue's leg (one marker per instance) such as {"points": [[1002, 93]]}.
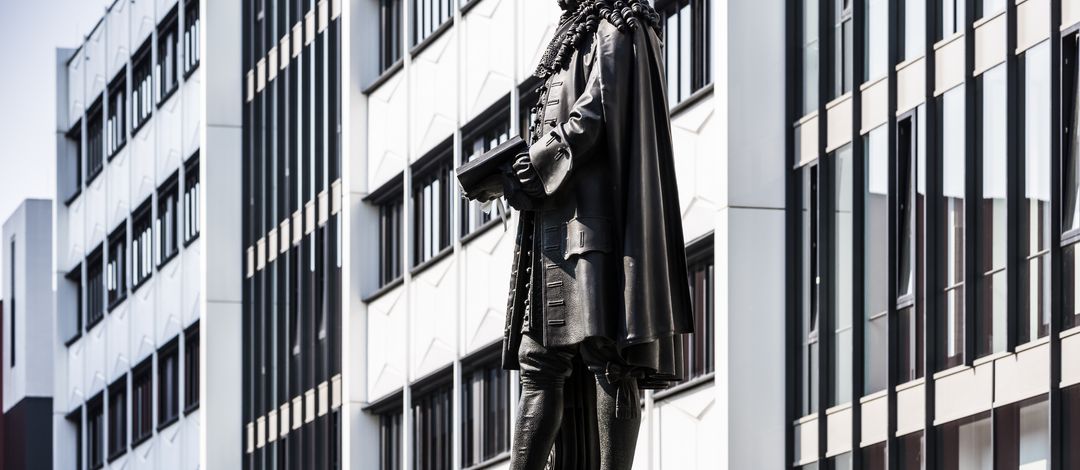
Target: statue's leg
{"points": [[543, 374], [618, 409]]}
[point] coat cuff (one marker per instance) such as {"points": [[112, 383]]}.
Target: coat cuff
{"points": [[551, 159]]}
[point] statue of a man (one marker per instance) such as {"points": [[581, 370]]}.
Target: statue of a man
{"points": [[599, 292]]}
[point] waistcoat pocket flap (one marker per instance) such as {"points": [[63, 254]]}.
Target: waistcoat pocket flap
{"points": [[585, 234]]}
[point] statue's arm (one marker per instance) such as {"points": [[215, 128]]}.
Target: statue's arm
{"points": [[570, 143]]}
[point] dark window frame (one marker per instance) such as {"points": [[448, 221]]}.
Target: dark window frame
{"points": [[700, 47], [142, 244], [119, 257], [192, 366], [168, 381], [479, 136], [117, 117], [432, 171], [95, 140], [142, 412], [95, 431], [699, 348], [142, 86], [95, 264], [192, 200], [390, 202], [430, 18], [166, 221], [118, 419], [166, 87], [391, 419], [190, 38], [487, 438], [432, 418], [75, 277], [391, 49], [73, 152]]}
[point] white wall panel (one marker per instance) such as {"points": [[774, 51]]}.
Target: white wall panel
{"points": [[76, 101], [141, 303], [71, 255], [911, 408], [537, 23], [76, 388], [192, 111], [386, 348], [434, 319], [169, 284], [117, 48], [386, 131], [487, 260], [191, 282], [162, 8], [910, 86], [696, 164], [142, 164], [688, 433], [168, 121], [94, 369], [142, 20], [964, 393], [144, 456], [117, 332], [170, 442], [190, 442], [487, 58], [94, 196], [1022, 375], [875, 420], [433, 75], [118, 204], [94, 61]]}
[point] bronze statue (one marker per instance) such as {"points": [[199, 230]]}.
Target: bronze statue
{"points": [[599, 292]]}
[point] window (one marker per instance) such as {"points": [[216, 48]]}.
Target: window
{"points": [[991, 287], [913, 29], [191, 200], [875, 259], [840, 462], [191, 368], [910, 450], [1034, 304], [485, 414], [809, 56], [71, 321], [951, 329], [165, 70], [390, 429], [166, 220], [952, 17], [142, 244], [118, 418], [389, 242], [877, 39], [116, 268], [95, 433], [966, 444], [142, 406], [142, 87], [168, 384], [843, 47], [687, 30], [911, 248], [95, 145], [431, 206], [116, 123], [74, 422], [1022, 434], [71, 174], [488, 136], [699, 348], [191, 37], [432, 429], [1070, 427], [875, 457], [843, 179], [808, 319], [1070, 217], [11, 301], [95, 288], [428, 15], [389, 33]]}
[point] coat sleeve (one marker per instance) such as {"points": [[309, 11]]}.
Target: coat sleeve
{"points": [[571, 142]]}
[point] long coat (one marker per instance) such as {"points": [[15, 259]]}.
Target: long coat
{"points": [[606, 241]]}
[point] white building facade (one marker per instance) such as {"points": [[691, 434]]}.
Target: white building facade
{"points": [[142, 297]]}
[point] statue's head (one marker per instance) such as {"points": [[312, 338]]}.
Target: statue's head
{"points": [[569, 4]]}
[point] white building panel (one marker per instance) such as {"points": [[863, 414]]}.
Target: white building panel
{"points": [[696, 161], [142, 164], [189, 440], [487, 58], [118, 204], [94, 367], [144, 457], [76, 100], [142, 20], [191, 283], [141, 303], [534, 32], [434, 318], [168, 120], [433, 75], [117, 51], [170, 443], [386, 349], [75, 392], [162, 8], [386, 133], [963, 393], [94, 195], [910, 408], [1022, 375], [117, 352], [94, 62], [73, 252], [192, 111], [486, 261], [688, 433]]}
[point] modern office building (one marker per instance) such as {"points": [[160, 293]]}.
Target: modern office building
{"points": [[27, 339], [374, 297], [932, 214], [147, 326]]}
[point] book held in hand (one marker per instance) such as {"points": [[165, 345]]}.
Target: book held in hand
{"points": [[481, 178]]}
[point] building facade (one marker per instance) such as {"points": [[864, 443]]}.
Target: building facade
{"points": [[27, 333], [146, 318], [931, 213]]}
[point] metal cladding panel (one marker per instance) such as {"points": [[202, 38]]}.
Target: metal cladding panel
{"points": [[1070, 12], [169, 294], [434, 103], [806, 441], [143, 179], [875, 420], [535, 33], [910, 408], [94, 366], [143, 20], [687, 425], [910, 86], [94, 63], [485, 278], [117, 49], [386, 348], [1032, 23], [434, 321], [1023, 375], [76, 87], [118, 202], [990, 47], [94, 196], [192, 120], [191, 283], [1070, 347], [117, 348], [386, 135], [168, 157], [694, 139], [875, 105], [840, 122], [949, 62], [76, 385], [487, 59], [840, 425], [142, 322], [73, 254], [964, 393]]}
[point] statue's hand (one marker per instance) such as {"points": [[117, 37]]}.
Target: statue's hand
{"points": [[526, 175]]}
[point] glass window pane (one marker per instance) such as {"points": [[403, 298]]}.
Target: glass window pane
{"points": [[810, 56], [1035, 207], [966, 444], [843, 229], [876, 258], [993, 213], [914, 21], [951, 348], [877, 38]]}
